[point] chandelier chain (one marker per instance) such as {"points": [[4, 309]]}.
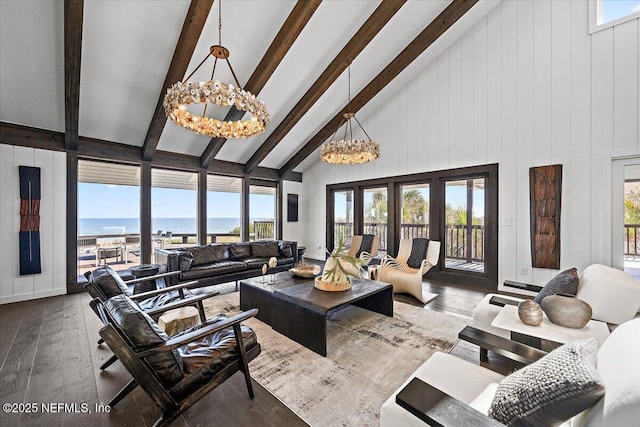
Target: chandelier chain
{"points": [[220, 23]]}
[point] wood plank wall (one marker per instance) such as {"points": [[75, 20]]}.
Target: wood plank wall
{"points": [[527, 86], [52, 280]]}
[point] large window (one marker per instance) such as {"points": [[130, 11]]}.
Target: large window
{"points": [[262, 216], [174, 204], [108, 215], [224, 208], [607, 13], [374, 214]]}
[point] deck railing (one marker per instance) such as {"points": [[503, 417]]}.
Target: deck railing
{"points": [[632, 240], [456, 246]]}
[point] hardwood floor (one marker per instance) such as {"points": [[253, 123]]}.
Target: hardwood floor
{"points": [[49, 354]]}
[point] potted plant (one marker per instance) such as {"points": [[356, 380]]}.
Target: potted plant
{"points": [[339, 269]]}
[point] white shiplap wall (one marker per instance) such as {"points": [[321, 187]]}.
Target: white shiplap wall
{"points": [[52, 280], [527, 86]]}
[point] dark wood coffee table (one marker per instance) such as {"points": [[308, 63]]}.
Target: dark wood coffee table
{"points": [[296, 309]]}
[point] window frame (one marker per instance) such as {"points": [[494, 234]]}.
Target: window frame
{"points": [[595, 16]]}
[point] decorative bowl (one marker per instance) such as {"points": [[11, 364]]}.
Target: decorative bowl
{"points": [[331, 286], [306, 272]]}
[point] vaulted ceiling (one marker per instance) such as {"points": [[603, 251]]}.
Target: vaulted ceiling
{"points": [[98, 69]]}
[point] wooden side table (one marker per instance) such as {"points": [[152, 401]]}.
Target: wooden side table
{"points": [[179, 319]]}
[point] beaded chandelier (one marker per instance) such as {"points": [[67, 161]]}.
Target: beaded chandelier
{"points": [[349, 151], [218, 93]]}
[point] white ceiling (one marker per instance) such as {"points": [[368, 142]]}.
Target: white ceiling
{"points": [[128, 46]]}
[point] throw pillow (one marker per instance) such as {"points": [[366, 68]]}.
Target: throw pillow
{"points": [[240, 250], [265, 249], [109, 281], [144, 333], [550, 391], [202, 255], [185, 259], [418, 252], [565, 282], [285, 249], [220, 252]]}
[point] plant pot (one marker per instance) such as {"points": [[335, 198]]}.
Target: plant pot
{"points": [[566, 310], [331, 286], [530, 312]]}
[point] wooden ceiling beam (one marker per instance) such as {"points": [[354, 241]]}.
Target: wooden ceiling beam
{"points": [[73, 18], [289, 32], [189, 36], [358, 42], [430, 34], [26, 136]]}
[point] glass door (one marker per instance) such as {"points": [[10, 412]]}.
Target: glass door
{"points": [[414, 215], [262, 208], [342, 218], [464, 214], [374, 215]]}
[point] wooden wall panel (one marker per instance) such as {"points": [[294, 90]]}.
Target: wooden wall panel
{"points": [[541, 81], [44, 160], [545, 193], [59, 222], [7, 232], [480, 92], [51, 281], [455, 145], [508, 235], [22, 156], [625, 91]]}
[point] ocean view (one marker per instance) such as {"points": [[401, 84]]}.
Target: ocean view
{"points": [[97, 226]]}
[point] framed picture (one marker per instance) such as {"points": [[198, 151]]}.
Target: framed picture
{"points": [[292, 208]]}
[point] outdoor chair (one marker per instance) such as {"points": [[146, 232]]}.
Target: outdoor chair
{"points": [[177, 371], [104, 283], [404, 272]]}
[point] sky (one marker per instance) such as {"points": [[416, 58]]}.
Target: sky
{"points": [[123, 201], [614, 9]]}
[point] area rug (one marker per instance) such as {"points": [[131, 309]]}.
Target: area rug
{"points": [[369, 355]]}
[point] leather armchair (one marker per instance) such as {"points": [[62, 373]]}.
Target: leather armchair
{"points": [[177, 371], [104, 283]]}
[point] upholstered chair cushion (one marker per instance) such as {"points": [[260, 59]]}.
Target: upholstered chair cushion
{"points": [[265, 249], [239, 250], [366, 244], [109, 281], [162, 299], [185, 259], [144, 333], [220, 253], [555, 388], [418, 252], [565, 282], [285, 249], [202, 255], [205, 358]]}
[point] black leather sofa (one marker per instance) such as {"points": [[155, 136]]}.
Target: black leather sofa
{"points": [[228, 262]]}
